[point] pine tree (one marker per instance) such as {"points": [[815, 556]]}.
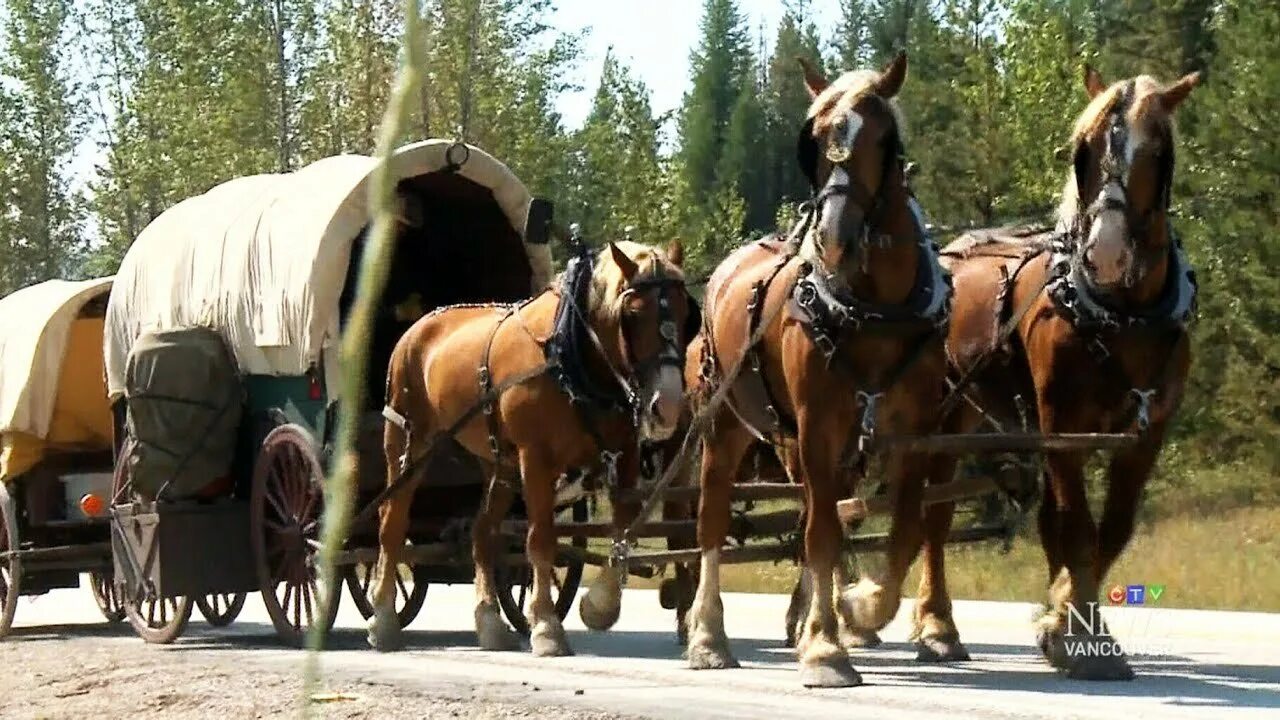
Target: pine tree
{"points": [[788, 103], [40, 233], [1228, 197], [853, 37], [721, 66]]}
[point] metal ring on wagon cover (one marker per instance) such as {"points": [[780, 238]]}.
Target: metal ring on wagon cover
{"points": [[452, 165]]}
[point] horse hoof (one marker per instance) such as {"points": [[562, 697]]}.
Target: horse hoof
{"points": [[710, 655], [549, 640], [829, 673], [1053, 646], [869, 604], [860, 639], [1103, 668], [493, 634], [595, 618], [939, 650], [385, 641]]}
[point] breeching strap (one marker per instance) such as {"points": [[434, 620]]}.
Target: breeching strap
{"points": [[411, 468], [957, 391]]}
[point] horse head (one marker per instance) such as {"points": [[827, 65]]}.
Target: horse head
{"points": [[850, 148], [646, 318], [1118, 191]]}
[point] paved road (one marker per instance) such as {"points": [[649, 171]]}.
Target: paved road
{"points": [[1199, 664]]}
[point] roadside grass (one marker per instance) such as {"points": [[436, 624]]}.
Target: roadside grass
{"points": [[1226, 560]]}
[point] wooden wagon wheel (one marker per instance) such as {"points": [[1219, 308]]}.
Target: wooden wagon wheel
{"points": [[515, 582], [109, 598], [285, 508], [158, 621], [10, 570], [220, 609], [411, 590]]}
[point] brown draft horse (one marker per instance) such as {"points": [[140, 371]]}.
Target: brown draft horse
{"points": [[636, 306], [825, 362], [1103, 331]]}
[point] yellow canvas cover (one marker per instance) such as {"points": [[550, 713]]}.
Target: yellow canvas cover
{"points": [[52, 383]]}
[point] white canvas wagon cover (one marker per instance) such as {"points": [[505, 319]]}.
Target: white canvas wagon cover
{"points": [[51, 384], [262, 259]]}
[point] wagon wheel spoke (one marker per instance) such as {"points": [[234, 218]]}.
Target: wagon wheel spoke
{"points": [[400, 585]]}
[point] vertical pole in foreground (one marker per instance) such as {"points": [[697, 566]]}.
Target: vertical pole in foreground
{"points": [[355, 341]]}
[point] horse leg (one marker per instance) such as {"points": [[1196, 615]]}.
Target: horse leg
{"points": [[823, 660], [491, 631], [937, 639], [722, 453], [681, 587], [1074, 593], [600, 607], [873, 603], [1127, 477], [547, 636], [1050, 532], [384, 632]]}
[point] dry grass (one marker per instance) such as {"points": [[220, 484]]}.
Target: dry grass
{"points": [[1229, 561]]}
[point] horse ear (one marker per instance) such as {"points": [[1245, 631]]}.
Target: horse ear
{"points": [[892, 77], [1173, 96], [627, 265], [1093, 83], [675, 253], [813, 80], [807, 153]]}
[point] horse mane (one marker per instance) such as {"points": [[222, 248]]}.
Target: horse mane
{"points": [[1143, 113], [840, 96], [608, 283]]}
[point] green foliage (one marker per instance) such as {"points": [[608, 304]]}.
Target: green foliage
{"points": [[40, 218], [184, 94]]}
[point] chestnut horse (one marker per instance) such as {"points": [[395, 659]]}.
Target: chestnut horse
{"points": [[541, 419], [1095, 320], [849, 343]]}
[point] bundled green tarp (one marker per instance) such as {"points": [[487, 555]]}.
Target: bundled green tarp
{"points": [[184, 400]]}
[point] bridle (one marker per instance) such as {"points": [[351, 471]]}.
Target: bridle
{"points": [[671, 352], [873, 204], [1115, 169]]}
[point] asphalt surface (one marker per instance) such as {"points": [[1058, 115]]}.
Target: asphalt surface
{"points": [[1190, 663]]}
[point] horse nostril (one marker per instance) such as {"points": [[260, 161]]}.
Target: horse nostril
{"points": [[653, 405]]}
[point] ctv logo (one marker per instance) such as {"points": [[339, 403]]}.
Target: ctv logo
{"points": [[1134, 594]]}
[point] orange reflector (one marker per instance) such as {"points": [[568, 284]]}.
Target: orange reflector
{"points": [[315, 391], [92, 505]]}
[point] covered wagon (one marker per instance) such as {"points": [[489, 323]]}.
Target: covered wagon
{"points": [[243, 293], [55, 443]]}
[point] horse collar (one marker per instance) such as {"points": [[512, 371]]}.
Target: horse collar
{"points": [[1081, 301], [825, 311]]}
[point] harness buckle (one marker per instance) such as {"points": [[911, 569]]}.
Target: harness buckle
{"points": [[870, 404], [609, 459], [619, 555], [1144, 407], [824, 343]]}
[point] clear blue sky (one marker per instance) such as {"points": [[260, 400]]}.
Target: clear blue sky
{"points": [[655, 37]]}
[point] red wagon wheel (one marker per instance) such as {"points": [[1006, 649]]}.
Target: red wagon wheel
{"points": [[221, 609], [109, 598], [515, 583], [411, 591], [285, 508], [10, 570]]}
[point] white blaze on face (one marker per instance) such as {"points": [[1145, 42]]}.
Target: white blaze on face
{"points": [[665, 403], [833, 207], [1109, 240]]}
